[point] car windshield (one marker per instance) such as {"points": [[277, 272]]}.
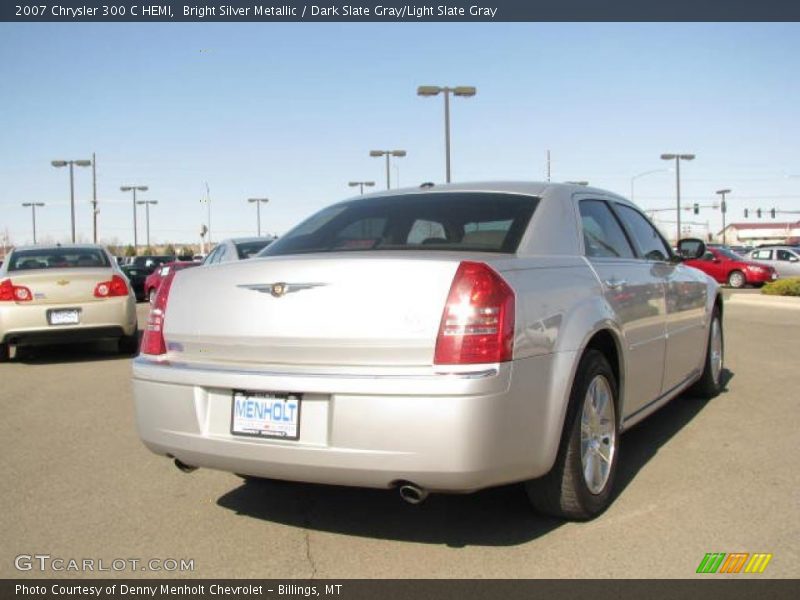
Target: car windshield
{"points": [[463, 221], [248, 249], [57, 258]]}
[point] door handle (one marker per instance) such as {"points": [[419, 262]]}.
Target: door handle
{"points": [[615, 284]]}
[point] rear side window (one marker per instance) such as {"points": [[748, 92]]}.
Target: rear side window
{"points": [[602, 233], [651, 244], [248, 249], [763, 254], [461, 221], [58, 258]]}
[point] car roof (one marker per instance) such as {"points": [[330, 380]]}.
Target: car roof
{"points": [[60, 247]]}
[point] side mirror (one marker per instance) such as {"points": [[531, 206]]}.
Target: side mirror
{"points": [[691, 248], [794, 259]]}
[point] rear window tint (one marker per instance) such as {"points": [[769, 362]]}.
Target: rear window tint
{"points": [[248, 249], [57, 258], [461, 221]]}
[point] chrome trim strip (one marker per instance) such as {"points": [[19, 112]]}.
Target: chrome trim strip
{"points": [[207, 368]]}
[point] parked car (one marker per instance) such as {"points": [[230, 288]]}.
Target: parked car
{"points": [[784, 259], [236, 249], [443, 339], [728, 267], [63, 294], [155, 278]]}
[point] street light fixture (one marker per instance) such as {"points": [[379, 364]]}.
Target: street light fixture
{"points": [[723, 207], [465, 91], [361, 184], [33, 206], [258, 202], [147, 204], [71, 163], [387, 154], [134, 189], [678, 158]]}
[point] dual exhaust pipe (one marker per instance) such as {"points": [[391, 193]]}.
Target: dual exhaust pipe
{"points": [[409, 492]]}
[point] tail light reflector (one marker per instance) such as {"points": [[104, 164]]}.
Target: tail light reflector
{"points": [[115, 287], [14, 293], [478, 320], [153, 339]]}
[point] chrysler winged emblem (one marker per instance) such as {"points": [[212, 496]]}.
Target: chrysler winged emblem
{"points": [[62, 281], [279, 288]]}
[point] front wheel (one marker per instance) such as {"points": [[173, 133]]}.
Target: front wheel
{"points": [[710, 383], [736, 279], [580, 484], [5, 353]]}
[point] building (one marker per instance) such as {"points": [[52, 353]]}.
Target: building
{"points": [[753, 234]]}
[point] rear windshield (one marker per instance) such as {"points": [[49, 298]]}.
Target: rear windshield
{"points": [[464, 221], [248, 249], [57, 258]]}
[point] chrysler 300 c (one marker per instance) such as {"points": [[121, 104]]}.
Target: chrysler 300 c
{"points": [[447, 339]]}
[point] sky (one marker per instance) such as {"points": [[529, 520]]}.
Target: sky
{"points": [[290, 111]]}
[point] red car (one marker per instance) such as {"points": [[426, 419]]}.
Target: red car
{"points": [[725, 266], [154, 279]]}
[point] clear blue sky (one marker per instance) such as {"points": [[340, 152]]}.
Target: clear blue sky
{"points": [[290, 112]]}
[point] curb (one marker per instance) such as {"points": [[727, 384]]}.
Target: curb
{"points": [[762, 300]]}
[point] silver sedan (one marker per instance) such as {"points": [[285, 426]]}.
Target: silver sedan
{"points": [[447, 339]]}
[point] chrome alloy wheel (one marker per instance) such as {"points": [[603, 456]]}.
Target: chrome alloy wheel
{"points": [[598, 434], [716, 350]]}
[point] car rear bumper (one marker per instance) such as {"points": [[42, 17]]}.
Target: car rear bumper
{"points": [[28, 323], [463, 432]]}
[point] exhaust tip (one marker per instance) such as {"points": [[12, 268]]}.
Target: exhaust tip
{"points": [[183, 467], [413, 494]]}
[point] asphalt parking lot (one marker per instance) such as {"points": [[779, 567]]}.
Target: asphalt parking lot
{"points": [[698, 477]]}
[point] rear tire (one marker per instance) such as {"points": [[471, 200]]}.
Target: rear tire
{"points": [[5, 354], [579, 486], [736, 279], [129, 344], [710, 383]]}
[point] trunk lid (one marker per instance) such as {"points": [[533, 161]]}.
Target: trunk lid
{"points": [[340, 309], [62, 286]]}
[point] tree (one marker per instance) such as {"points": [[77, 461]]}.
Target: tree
{"points": [[129, 251], [170, 250]]}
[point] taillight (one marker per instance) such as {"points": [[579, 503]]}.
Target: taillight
{"points": [[153, 338], [478, 321], [115, 287], [14, 293]]}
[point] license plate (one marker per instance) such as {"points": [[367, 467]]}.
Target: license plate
{"points": [[67, 316], [266, 414]]}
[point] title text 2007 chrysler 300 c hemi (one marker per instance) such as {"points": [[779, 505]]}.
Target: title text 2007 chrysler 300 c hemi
{"points": [[447, 338]]}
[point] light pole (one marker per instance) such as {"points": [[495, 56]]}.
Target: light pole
{"points": [[635, 177], [94, 198], [71, 163], [258, 202], [465, 91], [387, 154], [33, 206], [134, 189], [723, 207], [147, 204], [361, 184], [678, 158]]}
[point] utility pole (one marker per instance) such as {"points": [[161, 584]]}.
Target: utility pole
{"points": [[548, 165], [94, 197]]}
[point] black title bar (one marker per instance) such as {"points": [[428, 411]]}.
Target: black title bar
{"points": [[393, 11]]}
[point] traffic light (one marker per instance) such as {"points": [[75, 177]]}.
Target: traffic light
{"points": [[758, 213], [772, 213], [746, 213], [696, 208]]}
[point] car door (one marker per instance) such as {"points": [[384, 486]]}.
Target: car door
{"points": [[686, 300], [635, 293], [787, 263], [763, 256]]}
